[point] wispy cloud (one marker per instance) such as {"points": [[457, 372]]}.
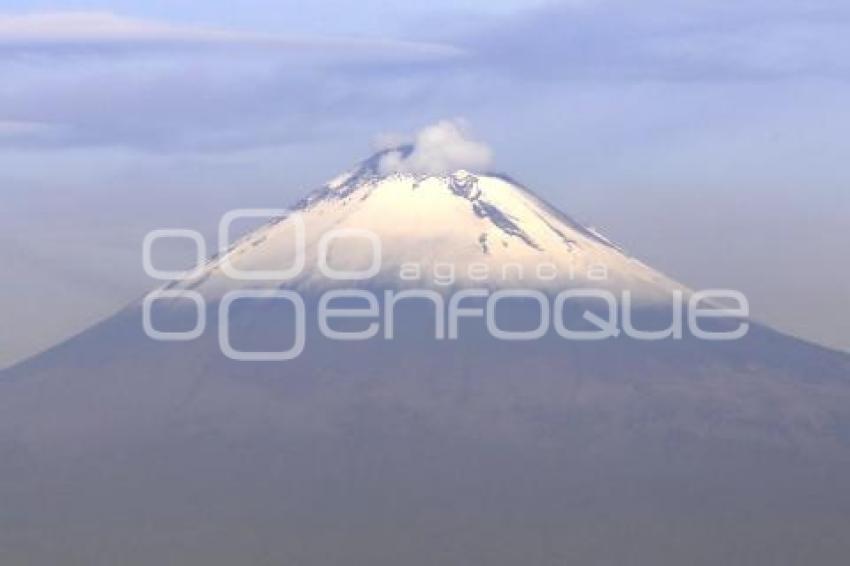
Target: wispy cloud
{"points": [[22, 129], [101, 79], [702, 40], [97, 78], [106, 31]]}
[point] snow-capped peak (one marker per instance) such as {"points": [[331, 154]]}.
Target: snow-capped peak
{"points": [[459, 229]]}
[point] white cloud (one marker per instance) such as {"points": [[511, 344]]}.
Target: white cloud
{"points": [[50, 27], [66, 30], [15, 128], [439, 149], [96, 78]]}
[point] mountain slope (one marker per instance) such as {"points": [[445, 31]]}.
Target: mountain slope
{"points": [[488, 222], [118, 449]]}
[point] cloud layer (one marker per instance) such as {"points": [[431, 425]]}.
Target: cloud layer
{"points": [[669, 40], [439, 149], [103, 33], [98, 79]]}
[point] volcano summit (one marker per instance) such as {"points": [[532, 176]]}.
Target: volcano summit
{"points": [[119, 449]]}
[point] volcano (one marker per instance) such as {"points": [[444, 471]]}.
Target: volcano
{"points": [[487, 224], [415, 448]]}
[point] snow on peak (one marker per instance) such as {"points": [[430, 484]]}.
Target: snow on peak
{"points": [[457, 229]]}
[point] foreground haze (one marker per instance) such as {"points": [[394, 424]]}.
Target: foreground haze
{"points": [[117, 449]]}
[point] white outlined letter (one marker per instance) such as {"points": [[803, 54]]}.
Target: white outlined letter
{"points": [[695, 311], [239, 355], [605, 328], [179, 336], [534, 334], [326, 312], [171, 275]]}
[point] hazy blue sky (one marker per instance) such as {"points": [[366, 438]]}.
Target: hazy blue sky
{"points": [[709, 137]]}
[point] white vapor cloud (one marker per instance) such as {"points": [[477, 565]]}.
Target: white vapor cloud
{"points": [[438, 149]]}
